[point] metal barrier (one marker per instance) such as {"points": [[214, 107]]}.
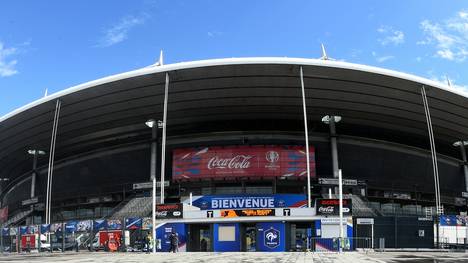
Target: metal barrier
{"points": [[319, 244]]}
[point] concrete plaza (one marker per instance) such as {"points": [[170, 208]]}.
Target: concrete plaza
{"points": [[255, 257]]}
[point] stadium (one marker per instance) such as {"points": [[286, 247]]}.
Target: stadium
{"points": [[234, 159]]}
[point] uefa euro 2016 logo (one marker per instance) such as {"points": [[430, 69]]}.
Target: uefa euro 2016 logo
{"points": [[272, 156], [272, 238]]}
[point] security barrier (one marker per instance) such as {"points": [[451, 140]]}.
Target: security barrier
{"points": [[318, 244]]}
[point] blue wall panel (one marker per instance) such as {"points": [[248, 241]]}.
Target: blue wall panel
{"points": [[163, 233], [225, 246], [271, 236]]}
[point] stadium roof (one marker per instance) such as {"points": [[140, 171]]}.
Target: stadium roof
{"points": [[116, 107]]}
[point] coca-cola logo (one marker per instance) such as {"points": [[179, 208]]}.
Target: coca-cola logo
{"points": [[161, 213], [236, 162], [326, 209]]}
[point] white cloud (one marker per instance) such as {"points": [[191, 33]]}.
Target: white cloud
{"points": [[119, 32], [384, 58], [390, 36], [449, 38], [214, 33], [445, 53], [381, 59], [7, 66]]}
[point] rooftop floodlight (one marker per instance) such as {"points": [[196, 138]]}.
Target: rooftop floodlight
{"points": [[326, 119], [459, 143], [150, 123], [38, 152]]}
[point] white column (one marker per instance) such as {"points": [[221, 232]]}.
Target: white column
{"points": [[163, 143], [340, 191], [306, 131], [334, 146], [50, 169], [154, 130]]}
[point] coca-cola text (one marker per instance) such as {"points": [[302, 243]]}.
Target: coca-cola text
{"points": [[236, 162]]}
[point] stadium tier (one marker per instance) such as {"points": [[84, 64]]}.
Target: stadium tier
{"points": [[235, 165]]}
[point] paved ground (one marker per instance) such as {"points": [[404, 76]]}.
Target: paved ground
{"points": [[350, 257]]}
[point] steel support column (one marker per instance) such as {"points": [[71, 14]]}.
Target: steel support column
{"points": [[433, 149], [306, 131], [163, 142], [334, 146], [154, 143], [434, 161], [34, 175], [50, 169], [465, 164]]}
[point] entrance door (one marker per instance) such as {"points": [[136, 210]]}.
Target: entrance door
{"points": [[251, 238], [300, 236], [205, 238], [200, 238], [364, 232]]}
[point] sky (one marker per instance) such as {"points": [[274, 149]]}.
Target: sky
{"points": [[54, 45]]}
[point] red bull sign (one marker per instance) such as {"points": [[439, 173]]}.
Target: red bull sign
{"points": [[242, 161]]}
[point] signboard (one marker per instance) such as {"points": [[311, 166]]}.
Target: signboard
{"points": [[334, 181], [84, 226], [331, 207], [365, 221], [247, 212], [148, 185], [169, 211], [31, 201], [114, 224], [332, 221], [3, 214], [241, 161], [453, 220], [45, 228], [55, 227], [100, 224], [147, 223], [421, 233], [33, 229], [70, 226], [210, 202], [23, 230], [133, 223]]}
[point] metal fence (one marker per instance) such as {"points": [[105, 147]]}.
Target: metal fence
{"points": [[319, 244]]}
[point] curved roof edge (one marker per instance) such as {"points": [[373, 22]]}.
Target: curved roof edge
{"points": [[234, 61]]}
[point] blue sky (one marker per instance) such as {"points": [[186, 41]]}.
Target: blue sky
{"points": [[58, 44]]}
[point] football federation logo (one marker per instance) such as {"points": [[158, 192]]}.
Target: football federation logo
{"points": [[272, 238]]}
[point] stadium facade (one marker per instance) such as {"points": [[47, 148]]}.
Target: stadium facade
{"points": [[235, 166]]}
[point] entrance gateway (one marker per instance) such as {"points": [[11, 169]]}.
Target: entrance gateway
{"points": [[223, 223]]}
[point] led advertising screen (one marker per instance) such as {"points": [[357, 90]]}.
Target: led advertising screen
{"points": [[235, 202], [242, 161], [247, 212]]}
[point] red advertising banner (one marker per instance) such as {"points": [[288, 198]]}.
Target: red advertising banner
{"points": [[3, 214], [241, 161]]}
